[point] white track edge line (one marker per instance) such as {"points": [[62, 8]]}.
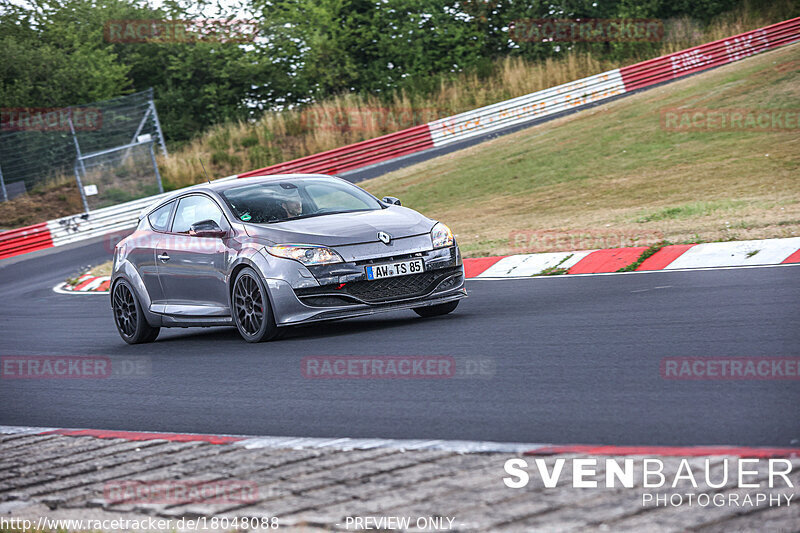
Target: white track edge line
{"points": [[61, 290], [561, 276], [333, 443]]}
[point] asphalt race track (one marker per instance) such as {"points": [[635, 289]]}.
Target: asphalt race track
{"points": [[566, 361]]}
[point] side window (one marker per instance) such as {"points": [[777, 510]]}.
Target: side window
{"points": [[159, 219], [195, 209]]}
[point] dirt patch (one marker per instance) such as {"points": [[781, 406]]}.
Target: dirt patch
{"points": [[41, 205]]}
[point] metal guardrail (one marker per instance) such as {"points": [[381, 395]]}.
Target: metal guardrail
{"points": [[76, 228]]}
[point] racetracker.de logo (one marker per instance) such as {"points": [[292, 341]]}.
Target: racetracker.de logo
{"points": [[730, 119], [378, 367], [73, 367], [586, 30], [552, 240], [50, 118], [177, 242], [180, 491], [731, 368], [367, 118], [156, 31]]}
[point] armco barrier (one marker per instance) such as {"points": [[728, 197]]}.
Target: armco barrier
{"points": [[72, 229], [76, 228], [709, 55], [492, 118], [24, 240], [119, 217], [361, 154]]}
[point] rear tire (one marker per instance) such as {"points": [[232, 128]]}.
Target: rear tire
{"points": [[128, 316], [436, 310], [251, 309]]}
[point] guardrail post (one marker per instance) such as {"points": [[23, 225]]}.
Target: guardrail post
{"points": [[80, 160], [155, 167], [3, 186], [158, 124], [80, 188]]}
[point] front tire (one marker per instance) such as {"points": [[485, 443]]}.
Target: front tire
{"points": [[128, 316], [251, 309], [436, 310]]}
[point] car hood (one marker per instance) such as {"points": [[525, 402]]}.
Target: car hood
{"points": [[345, 228]]}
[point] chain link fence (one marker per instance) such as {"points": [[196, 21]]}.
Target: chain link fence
{"points": [[108, 148]]}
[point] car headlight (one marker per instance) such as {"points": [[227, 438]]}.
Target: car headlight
{"points": [[308, 254], [441, 236]]}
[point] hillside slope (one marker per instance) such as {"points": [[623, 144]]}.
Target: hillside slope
{"points": [[614, 176]]}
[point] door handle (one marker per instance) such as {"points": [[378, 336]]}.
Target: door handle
{"points": [[163, 257]]}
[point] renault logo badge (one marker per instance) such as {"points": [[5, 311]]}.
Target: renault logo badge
{"points": [[384, 237]]}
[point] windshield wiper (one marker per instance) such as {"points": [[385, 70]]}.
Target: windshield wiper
{"points": [[310, 215]]}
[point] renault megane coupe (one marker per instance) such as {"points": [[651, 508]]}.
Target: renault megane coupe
{"points": [[269, 252]]}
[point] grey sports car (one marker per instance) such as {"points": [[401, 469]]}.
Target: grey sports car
{"points": [[270, 252]]}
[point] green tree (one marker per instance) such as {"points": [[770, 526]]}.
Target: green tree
{"points": [[48, 59]]}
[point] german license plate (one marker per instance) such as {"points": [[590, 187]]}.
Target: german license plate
{"points": [[390, 270]]}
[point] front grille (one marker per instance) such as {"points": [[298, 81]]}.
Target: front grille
{"points": [[381, 290], [388, 259], [328, 301], [401, 286], [451, 283]]}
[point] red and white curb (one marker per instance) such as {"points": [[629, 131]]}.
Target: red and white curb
{"points": [[765, 252], [86, 284], [736, 254], [457, 446]]}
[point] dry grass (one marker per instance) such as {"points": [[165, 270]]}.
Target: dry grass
{"points": [[40, 205], [101, 270], [611, 176], [283, 136]]}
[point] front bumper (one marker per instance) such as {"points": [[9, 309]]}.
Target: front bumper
{"points": [[344, 292]]}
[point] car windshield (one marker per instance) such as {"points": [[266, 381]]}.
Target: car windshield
{"points": [[279, 201]]}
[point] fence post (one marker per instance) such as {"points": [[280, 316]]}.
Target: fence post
{"points": [[80, 160], [3, 186], [138, 131], [80, 188], [158, 124], [155, 167]]}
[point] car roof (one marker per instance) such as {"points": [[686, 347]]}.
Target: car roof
{"points": [[225, 184], [219, 186]]}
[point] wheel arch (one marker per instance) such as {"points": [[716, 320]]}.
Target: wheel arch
{"points": [[130, 275], [238, 266]]}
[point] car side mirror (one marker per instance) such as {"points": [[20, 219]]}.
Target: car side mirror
{"points": [[391, 200], [207, 228]]}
